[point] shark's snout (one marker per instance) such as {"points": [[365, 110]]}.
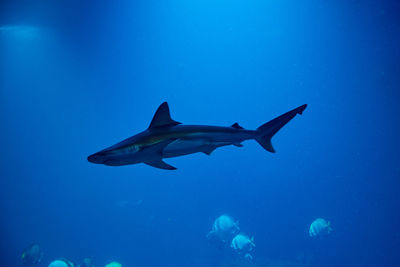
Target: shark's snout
{"points": [[96, 158]]}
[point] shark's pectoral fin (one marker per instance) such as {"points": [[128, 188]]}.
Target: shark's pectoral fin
{"points": [[159, 163], [237, 144], [154, 155], [208, 149]]}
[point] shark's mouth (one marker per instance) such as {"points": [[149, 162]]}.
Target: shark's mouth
{"points": [[112, 162], [94, 159]]}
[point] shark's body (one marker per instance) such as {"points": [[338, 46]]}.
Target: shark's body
{"points": [[166, 138]]}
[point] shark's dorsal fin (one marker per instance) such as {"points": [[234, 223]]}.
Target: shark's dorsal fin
{"points": [[237, 126], [162, 117]]}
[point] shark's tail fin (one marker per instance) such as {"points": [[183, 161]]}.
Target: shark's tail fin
{"points": [[267, 130]]}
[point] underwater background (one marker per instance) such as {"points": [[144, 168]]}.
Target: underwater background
{"points": [[76, 77]]}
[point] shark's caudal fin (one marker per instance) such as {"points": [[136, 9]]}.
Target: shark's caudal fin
{"points": [[267, 130]]}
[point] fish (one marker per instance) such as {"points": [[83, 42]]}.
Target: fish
{"points": [[224, 228], [87, 262], [32, 255], [167, 138], [242, 243], [320, 227], [62, 262]]}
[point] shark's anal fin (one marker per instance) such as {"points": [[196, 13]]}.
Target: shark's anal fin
{"points": [[159, 163], [208, 150], [162, 117]]}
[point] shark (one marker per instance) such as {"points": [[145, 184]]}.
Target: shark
{"points": [[167, 138]]}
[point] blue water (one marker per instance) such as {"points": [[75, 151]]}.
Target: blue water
{"points": [[78, 77]]}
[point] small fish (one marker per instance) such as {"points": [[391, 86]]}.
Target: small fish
{"points": [[242, 243], [320, 227], [32, 255], [114, 264], [63, 262], [87, 262], [224, 228], [166, 138]]}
